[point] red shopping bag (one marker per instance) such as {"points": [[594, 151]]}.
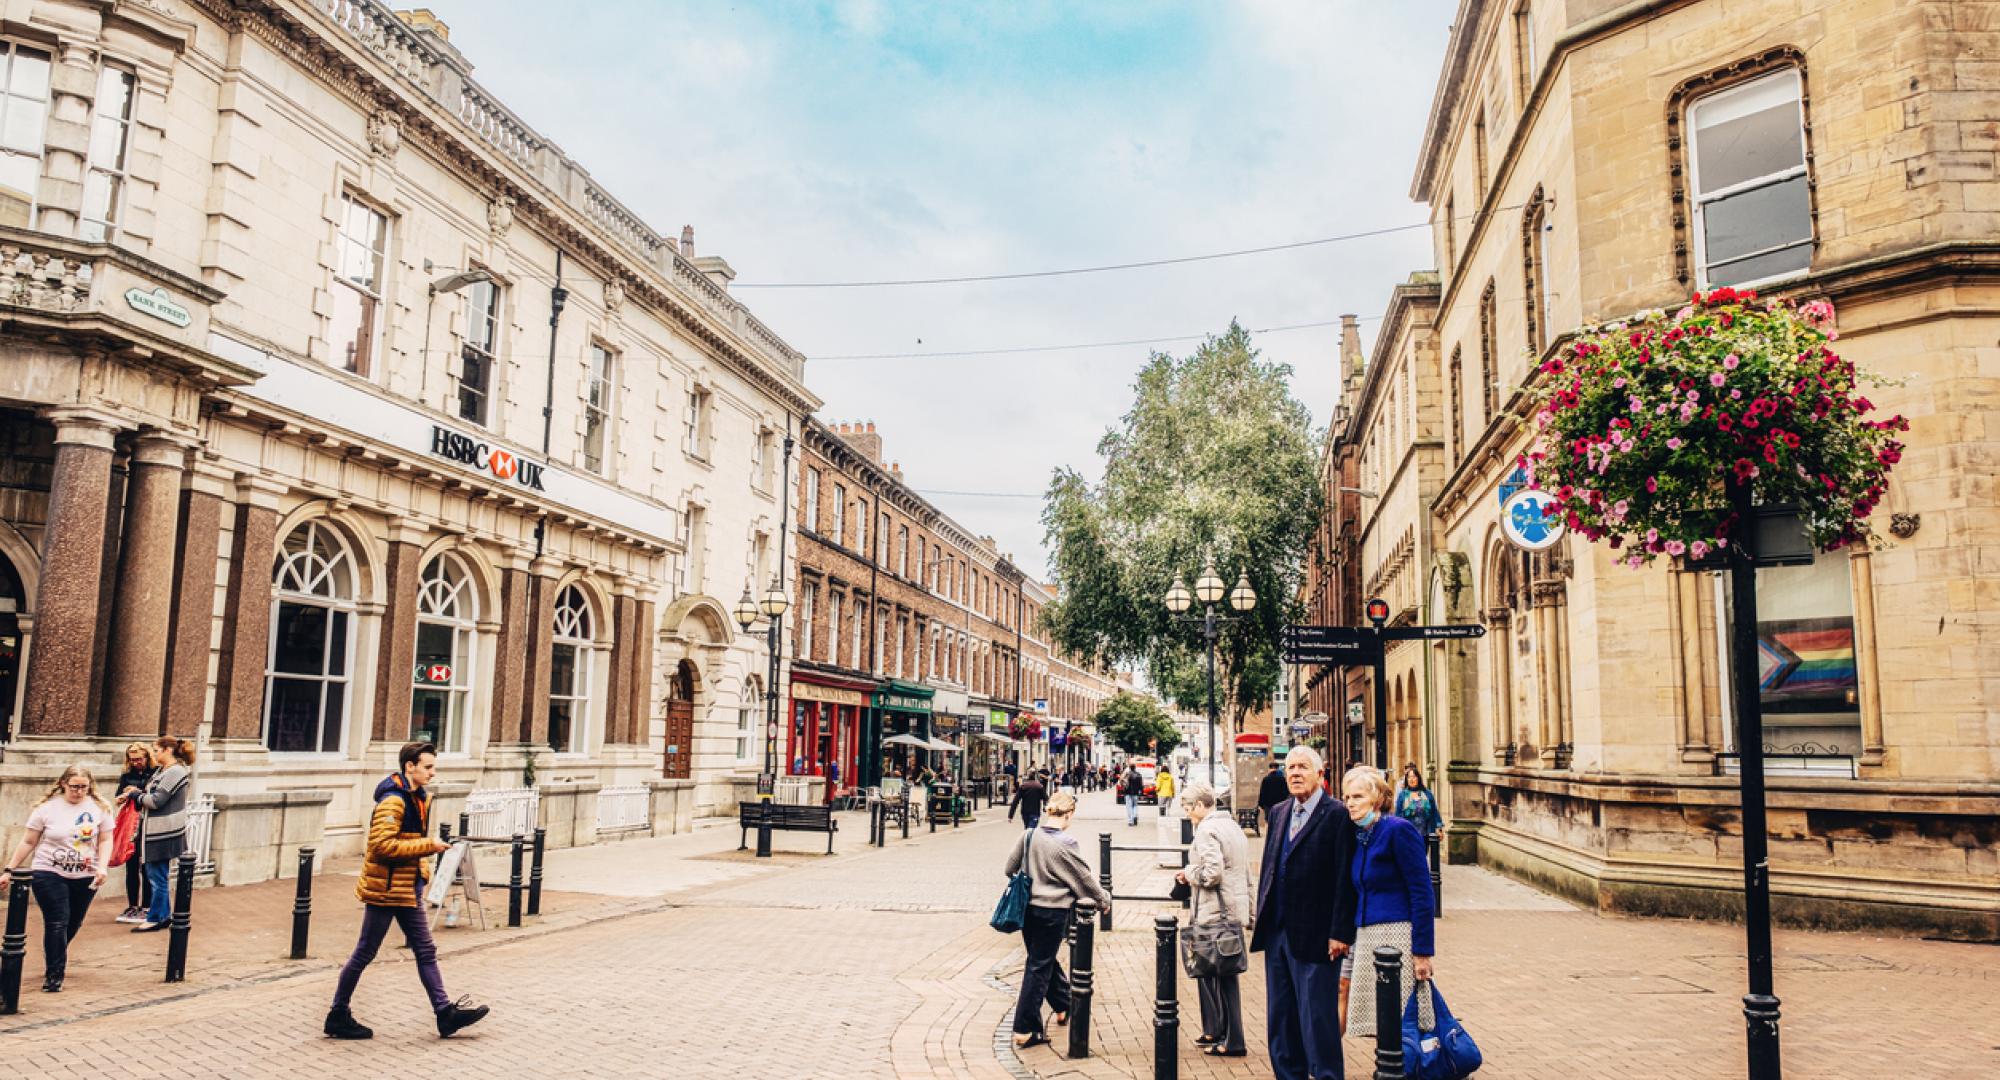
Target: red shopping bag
{"points": [[124, 831]]}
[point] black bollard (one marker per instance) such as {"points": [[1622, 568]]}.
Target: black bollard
{"points": [[514, 883], [906, 815], [464, 823], [1166, 1001], [874, 823], [1187, 830], [14, 947], [1083, 933], [302, 905], [1760, 1014], [1388, 1013], [535, 872], [1437, 876], [931, 809], [1104, 877], [177, 935]]}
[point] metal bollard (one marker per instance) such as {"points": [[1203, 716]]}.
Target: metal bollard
{"points": [[1104, 877], [14, 947], [874, 824], [177, 935], [906, 816], [1437, 877], [1084, 932], [514, 883], [464, 823], [930, 812], [535, 873], [1187, 830], [1388, 1013], [1166, 1001], [302, 905]]}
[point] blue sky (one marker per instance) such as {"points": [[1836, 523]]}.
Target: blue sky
{"points": [[868, 139]]}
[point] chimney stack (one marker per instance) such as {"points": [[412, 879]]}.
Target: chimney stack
{"points": [[863, 439], [687, 241], [1351, 361]]}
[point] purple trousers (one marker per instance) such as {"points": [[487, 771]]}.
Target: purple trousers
{"points": [[375, 923]]}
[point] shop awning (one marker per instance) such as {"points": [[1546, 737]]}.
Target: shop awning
{"points": [[907, 740], [994, 736], [940, 744]]}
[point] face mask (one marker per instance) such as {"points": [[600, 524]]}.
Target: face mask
{"points": [[1368, 819]]}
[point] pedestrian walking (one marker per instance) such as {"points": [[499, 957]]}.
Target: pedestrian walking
{"points": [[1218, 873], [1128, 789], [1163, 789], [393, 871], [138, 773], [1305, 923], [1392, 881], [1028, 799], [163, 828], [1416, 805], [1272, 791], [66, 852], [1060, 878]]}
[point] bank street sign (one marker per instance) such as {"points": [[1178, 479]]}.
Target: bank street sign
{"points": [[1529, 520]]}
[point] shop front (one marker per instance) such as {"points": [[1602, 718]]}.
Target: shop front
{"points": [[903, 708], [825, 738]]}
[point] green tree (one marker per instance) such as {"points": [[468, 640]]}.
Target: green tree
{"points": [[1215, 457], [1134, 724]]}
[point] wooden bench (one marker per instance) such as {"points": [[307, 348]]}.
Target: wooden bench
{"points": [[786, 818]]}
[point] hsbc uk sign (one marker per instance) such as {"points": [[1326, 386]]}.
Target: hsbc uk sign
{"points": [[500, 464]]}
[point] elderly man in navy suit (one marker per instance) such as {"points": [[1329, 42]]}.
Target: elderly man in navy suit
{"points": [[1305, 922]]}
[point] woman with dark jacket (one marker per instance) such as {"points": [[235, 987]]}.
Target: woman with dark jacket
{"points": [[163, 831], [1061, 878], [1416, 805], [138, 773], [1392, 882]]}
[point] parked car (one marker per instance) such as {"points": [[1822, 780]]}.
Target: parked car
{"points": [[1149, 771]]}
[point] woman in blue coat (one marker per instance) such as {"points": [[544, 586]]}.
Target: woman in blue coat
{"points": [[1392, 881]]}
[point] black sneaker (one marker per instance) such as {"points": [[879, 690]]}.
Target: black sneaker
{"points": [[458, 1016], [341, 1024]]}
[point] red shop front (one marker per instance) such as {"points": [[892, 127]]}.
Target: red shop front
{"points": [[825, 732]]}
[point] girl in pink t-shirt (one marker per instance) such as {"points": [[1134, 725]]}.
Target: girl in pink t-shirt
{"points": [[69, 840]]}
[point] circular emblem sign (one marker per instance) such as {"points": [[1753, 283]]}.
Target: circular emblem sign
{"points": [[502, 464], [1378, 610], [1530, 521]]}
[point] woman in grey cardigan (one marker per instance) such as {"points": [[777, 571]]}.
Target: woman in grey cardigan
{"points": [[163, 831], [1219, 872], [1061, 878]]}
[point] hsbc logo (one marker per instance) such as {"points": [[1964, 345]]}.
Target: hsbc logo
{"points": [[500, 464]]}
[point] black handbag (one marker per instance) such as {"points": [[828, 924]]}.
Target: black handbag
{"points": [[1213, 949]]}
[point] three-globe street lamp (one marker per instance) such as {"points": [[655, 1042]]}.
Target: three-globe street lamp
{"points": [[773, 605], [1208, 589]]}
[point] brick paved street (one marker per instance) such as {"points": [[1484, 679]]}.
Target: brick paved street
{"points": [[681, 956]]}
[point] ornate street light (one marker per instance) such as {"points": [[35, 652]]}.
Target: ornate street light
{"points": [[1209, 589], [1178, 597], [746, 610], [1243, 597], [775, 602], [772, 605]]}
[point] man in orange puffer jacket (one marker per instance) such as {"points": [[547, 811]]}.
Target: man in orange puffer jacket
{"points": [[392, 883]]}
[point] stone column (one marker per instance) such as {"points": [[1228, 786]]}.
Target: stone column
{"points": [[509, 670], [246, 620], [207, 489], [1545, 697], [396, 650], [56, 701], [1695, 746], [1502, 639], [617, 684], [144, 606], [534, 727], [640, 715], [1874, 747]]}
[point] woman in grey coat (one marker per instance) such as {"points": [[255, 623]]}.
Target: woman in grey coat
{"points": [[1061, 878], [163, 831], [1219, 872]]}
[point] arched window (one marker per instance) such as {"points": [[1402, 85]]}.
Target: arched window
{"points": [[447, 618], [312, 643], [746, 717], [1455, 403], [1489, 362], [570, 669]]}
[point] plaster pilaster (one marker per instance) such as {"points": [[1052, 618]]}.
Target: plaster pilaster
{"points": [[397, 646], [510, 672], [535, 671]]}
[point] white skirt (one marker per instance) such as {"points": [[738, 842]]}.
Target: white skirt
{"points": [[1361, 992]]}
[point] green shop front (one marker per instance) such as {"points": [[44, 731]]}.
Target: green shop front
{"points": [[897, 708]]}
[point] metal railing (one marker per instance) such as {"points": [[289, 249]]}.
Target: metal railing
{"points": [[201, 831], [502, 811], [624, 808]]}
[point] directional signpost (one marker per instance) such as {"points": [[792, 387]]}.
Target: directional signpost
{"points": [[1347, 646]]}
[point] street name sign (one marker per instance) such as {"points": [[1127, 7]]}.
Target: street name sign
{"points": [[1433, 633]]}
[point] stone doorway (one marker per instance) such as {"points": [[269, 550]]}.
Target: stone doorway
{"points": [[679, 763]]}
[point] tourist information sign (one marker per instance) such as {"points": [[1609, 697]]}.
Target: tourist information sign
{"points": [[1353, 646]]}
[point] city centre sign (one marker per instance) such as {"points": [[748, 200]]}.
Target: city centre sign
{"points": [[500, 464]]}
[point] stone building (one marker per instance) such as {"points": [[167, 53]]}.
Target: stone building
{"points": [[341, 408], [1587, 160], [906, 623]]}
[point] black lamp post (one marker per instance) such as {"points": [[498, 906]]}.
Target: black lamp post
{"points": [[1208, 589], [772, 606]]}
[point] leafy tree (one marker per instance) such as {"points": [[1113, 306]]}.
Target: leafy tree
{"points": [[1216, 457], [1133, 723]]}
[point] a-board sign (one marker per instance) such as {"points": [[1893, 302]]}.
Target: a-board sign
{"points": [[457, 864]]}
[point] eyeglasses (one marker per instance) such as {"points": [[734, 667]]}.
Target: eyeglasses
{"points": [[77, 787]]}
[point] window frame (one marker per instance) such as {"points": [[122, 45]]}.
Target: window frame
{"points": [[8, 56], [372, 304], [1698, 200], [583, 669], [600, 396], [695, 423], [452, 738], [811, 520], [119, 174], [479, 350], [340, 600]]}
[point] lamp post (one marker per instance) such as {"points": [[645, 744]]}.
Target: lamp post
{"points": [[772, 605], [1208, 589]]}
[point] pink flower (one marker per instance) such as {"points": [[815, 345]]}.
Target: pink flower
{"points": [[1675, 547], [1698, 549], [1652, 536], [1716, 379], [1626, 446], [1735, 395], [1731, 361], [1618, 383], [1674, 443], [1620, 507], [1661, 410], [1652, 484]]}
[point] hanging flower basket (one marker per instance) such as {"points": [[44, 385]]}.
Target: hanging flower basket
{"points": [[1645, 426]]}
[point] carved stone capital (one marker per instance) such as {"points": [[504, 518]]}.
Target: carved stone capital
{"points": [[500, 216], [385, 134]]}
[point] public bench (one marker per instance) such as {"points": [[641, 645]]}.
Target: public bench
{"points": [[785, 818]]}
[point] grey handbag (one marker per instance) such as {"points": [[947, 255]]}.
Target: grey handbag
{"points": [[1213, 949]]}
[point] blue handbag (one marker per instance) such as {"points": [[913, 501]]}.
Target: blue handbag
{"points": [[1446, 1052], [1013, 905]]}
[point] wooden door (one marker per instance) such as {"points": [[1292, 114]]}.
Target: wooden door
{"points": [[680, 741]]}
